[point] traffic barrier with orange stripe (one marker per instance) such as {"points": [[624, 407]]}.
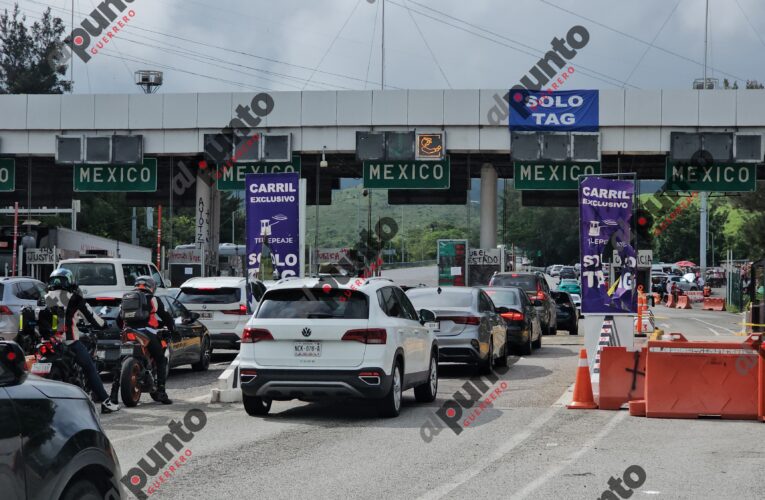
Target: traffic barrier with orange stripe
{"points": [[713, 304], [683, 302], [622, 377], [691, 379], [670, 300]]}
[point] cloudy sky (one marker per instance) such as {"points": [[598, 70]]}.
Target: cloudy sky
{"points": [[239, 45]]}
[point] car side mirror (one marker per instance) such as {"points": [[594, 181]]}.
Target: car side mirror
{"points": [[427, 316], [502, 310], [13, 360]]}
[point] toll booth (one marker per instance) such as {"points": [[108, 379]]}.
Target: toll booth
{"points": [[184, 264]]}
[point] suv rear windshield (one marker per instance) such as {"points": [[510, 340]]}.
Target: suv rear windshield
{"points": [[209, 295], [449, 297], [503, 298], [314, 303], [526, 281], [92, 273]]}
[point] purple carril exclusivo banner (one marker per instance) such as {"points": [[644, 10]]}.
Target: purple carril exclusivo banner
{"points": [[605, 214], [273, 220]]}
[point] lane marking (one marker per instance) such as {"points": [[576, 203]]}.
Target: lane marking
{"points": [[158, 430], [586, 447], [514, 440], [714, 331], [712, 324]]}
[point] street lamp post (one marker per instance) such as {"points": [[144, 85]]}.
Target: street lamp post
{"points": [[322, 164]]}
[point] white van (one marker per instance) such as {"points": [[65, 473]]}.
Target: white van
{"points": [[97, 275]]}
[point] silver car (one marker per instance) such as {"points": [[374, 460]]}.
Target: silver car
{"points": [[16, 293], [470, 329]]}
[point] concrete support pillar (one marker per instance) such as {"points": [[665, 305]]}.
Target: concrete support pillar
{"points": [[488, 206]]}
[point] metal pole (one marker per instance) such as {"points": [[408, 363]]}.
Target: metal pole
{"points": [[704, 195], [316, 235], [159, 238], [71, 60], [402, 233], [382, 71], [15, 236]]}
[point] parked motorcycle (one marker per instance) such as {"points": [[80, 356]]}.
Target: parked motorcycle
{"points": [[56, 361], [139, 371]]}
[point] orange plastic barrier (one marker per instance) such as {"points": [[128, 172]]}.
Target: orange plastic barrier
{"points": [[670, 300], [637, 407], [683, 302], [692, 379], [622, 377], [713, 304], [656, 298], [29, 362]]}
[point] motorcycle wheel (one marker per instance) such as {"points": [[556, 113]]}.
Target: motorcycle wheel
{"points": [[130, 382]]}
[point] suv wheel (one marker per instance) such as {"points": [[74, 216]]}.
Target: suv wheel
{"points": [[256, 406], [426, 392], [390, 405], [82, 490]]}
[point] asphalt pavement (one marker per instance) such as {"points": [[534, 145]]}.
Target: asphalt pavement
{"points": [[526, 445]]}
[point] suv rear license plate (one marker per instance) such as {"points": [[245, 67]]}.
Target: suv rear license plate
{"points": [[100, 354], [206, 315], [41, 368], [308, 349], [126, 350]]}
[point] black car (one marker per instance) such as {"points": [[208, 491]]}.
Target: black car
{"points": [[567, 273], [535, 285], [523, 330], [51, 441], [190, 343], [568, 318]]}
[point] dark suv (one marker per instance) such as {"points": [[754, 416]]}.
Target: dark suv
{"points": [[535, 285], [51, 441]]}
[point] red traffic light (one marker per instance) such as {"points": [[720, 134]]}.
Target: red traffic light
{"points": [[642, 221]]}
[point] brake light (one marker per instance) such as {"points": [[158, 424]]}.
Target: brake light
{"points": [[206, 289], [5, 310], [513, 316], [252, 335], [463, 320], [131, 336], [242, 311], [367, 336], [105, 298]]}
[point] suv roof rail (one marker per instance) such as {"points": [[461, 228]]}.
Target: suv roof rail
{"points": [[376, 278]]}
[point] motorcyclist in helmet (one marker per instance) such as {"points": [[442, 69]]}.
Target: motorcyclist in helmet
{"points": [[63, 294], [159, 317]]}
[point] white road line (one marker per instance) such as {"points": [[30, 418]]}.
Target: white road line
{"points": [[503, 450], [714, 331], [554, 471], [712, 324]]}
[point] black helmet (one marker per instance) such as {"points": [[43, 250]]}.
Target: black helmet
{"points": [[145, 283], [62, 279]]}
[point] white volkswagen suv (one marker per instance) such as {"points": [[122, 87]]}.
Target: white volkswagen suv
{"points": [[313, 339]]}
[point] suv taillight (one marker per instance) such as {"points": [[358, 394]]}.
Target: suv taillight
{"points": [[367, 336], [252, 335], [5, 311], [242, 311]]}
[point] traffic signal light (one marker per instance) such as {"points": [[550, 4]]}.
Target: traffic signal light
{"points": [[644, 228]]}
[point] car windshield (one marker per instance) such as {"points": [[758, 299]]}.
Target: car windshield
{"points": [[449, 297], [92, 273], [528, 282], [203, 295], [504, 298], [314, 303]]}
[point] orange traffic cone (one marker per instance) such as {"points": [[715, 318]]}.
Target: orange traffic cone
{"points": [[583, 399]]}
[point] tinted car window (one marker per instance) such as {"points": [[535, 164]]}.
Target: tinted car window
{"points": [[299, 303], [190, 295], [93, 273], [484, 303], [504, 298], [562, 299], [408, 309], [527, 282], [449, 297], [390, 303], [27, 290], [2, 290], [157, 276], [133, 271]]}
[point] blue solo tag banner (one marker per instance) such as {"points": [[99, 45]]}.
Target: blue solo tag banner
{"points": [[273, 222], [605, 214], [563, 110]]}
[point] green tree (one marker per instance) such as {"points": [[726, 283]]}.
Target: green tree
{"points": [[29, 56], [752, 232]]}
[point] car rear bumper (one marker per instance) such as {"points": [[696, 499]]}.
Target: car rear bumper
{"points": [[225, 340], [314, 384], [517, 335]]}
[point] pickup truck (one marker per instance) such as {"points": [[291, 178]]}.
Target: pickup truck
{"points": [[102, 275]]}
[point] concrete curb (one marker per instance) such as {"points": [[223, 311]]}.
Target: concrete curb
{"points": [[228, 390]]}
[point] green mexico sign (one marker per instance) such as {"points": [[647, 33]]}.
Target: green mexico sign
{"points": [[7, 174], [725, 178], [232, 179], [407, 174], [553, 176], [116, 178]]}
